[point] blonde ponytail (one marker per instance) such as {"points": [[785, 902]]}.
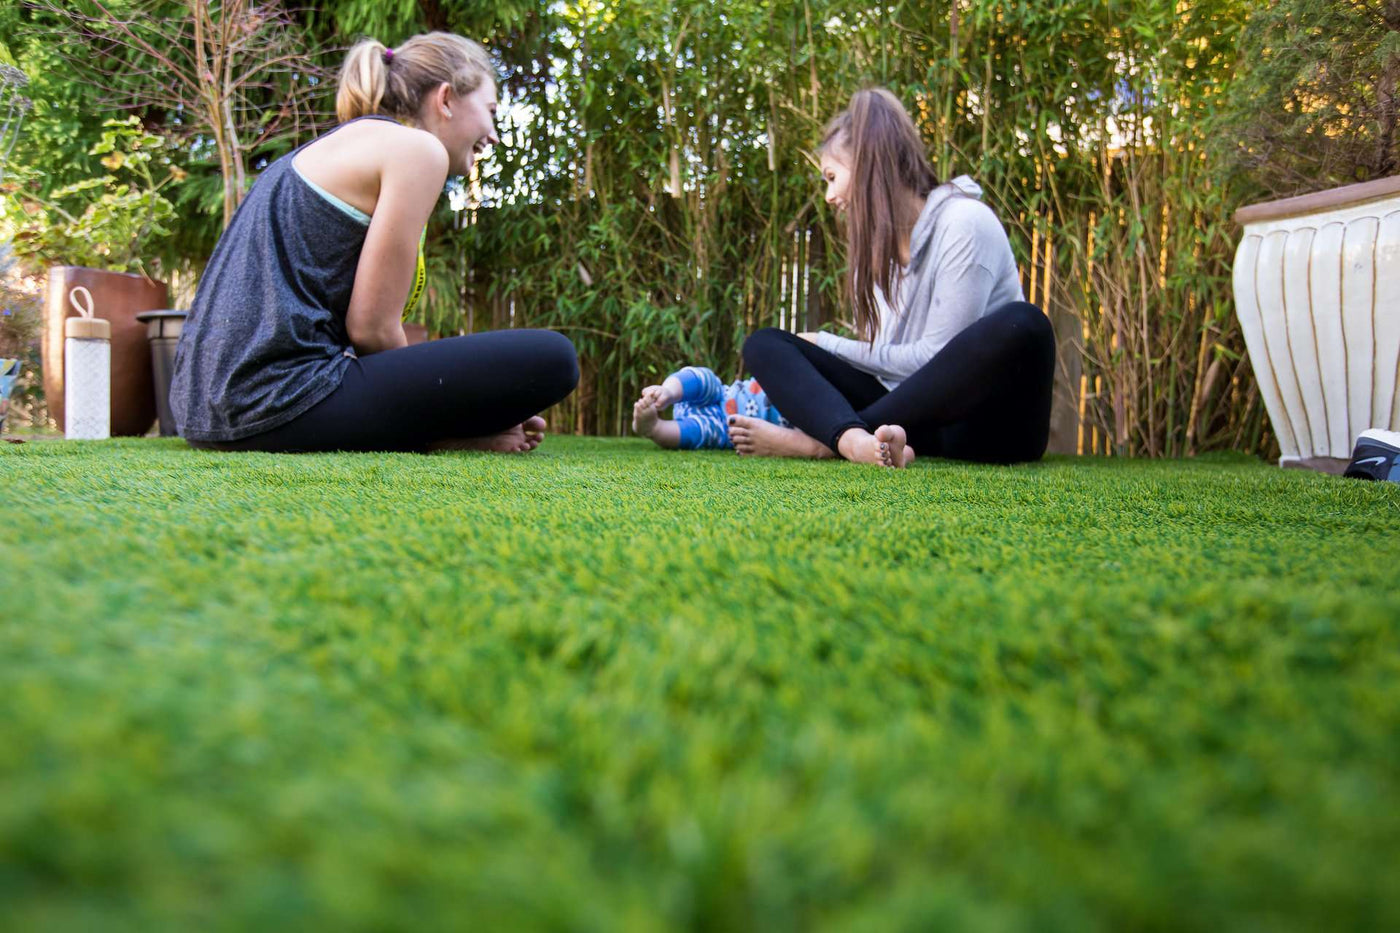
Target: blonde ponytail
{"points": [[378, 80], [363, 80]]}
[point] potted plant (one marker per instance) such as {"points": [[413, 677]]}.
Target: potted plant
{"points": [[1312, 120], [95, 233]]}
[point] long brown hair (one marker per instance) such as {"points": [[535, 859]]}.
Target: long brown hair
{"points": [[377, 80], [878, 141]]}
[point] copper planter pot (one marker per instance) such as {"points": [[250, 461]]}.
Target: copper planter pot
{"points": [[116, 297]]}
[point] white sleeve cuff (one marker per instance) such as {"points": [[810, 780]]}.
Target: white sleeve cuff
{"points": [[829, 342]]}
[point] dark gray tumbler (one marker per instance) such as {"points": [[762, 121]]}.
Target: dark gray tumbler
{"points": [[163, 329]]}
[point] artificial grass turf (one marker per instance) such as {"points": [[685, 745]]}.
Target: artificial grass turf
{"points": [[603, 686]]}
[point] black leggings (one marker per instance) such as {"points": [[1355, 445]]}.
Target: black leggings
{"points": [[984, 397], [443, 390]]}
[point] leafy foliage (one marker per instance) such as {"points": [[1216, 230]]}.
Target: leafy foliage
{"points": [[1316, 99], [66, 120], [237, 73], [654, 198], [106, 221]]}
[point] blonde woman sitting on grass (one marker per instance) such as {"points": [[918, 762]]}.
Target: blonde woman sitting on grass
{"points": [[295, 340]]}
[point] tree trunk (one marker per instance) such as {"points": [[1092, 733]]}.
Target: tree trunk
{"points": [[235, 187], [1388, 107]]}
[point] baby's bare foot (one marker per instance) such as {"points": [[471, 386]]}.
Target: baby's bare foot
{"points": [[644, 415], [754, 437], [661, 396]]}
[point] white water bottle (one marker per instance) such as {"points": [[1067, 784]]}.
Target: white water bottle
{"points": [[87, 372]]}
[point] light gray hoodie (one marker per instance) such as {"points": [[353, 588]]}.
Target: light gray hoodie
{"points": [[960, 268]]}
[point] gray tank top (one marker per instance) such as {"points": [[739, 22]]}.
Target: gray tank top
{"points": [[266, 339]]}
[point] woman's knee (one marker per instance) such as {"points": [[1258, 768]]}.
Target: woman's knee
{"points": [[1023, 314], [1028, 328], [558, 362], [762, 342]]}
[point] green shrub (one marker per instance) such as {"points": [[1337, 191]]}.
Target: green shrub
{"points": [[1315, 102], [107, 221]]}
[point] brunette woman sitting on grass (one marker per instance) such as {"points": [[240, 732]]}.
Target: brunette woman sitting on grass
{"points": [[295, 340], [950, 359]]}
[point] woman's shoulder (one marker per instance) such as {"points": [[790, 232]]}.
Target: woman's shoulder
{"points": [[969, 227], [958, 228], [967, 213], [357, 159], [388, 140]]}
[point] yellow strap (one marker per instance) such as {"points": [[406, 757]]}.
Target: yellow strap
{"points": [[420, 277]]}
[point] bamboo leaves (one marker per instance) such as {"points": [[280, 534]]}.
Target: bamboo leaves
{"points": [[655, 198]]}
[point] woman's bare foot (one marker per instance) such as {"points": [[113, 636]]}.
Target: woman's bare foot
{"points": [[886, 447], [754, 437], [520, 439]]}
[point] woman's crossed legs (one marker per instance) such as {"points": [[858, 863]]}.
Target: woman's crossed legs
{"points": [[480, 392], [984, 397]]}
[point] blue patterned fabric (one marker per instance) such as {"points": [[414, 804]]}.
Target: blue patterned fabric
{"points": [[706, 404]]}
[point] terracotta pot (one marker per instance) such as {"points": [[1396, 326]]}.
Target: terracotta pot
{"points": [[416, 333], [116, 297], [1317, 292]]}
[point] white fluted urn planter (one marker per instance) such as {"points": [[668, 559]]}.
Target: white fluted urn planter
{"points": [[1317, 292]]}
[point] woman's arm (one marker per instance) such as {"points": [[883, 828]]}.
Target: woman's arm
{"points": [[956, 305], [962, 285], [413, 171]]}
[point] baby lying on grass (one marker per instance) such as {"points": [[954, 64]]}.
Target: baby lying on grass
{"points": [[711, 415], [703, 408]]}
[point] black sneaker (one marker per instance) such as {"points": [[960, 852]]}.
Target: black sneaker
{"points": [[1377, 456]]}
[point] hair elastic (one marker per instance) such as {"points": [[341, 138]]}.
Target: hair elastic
{"points": [[388, 56]]}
